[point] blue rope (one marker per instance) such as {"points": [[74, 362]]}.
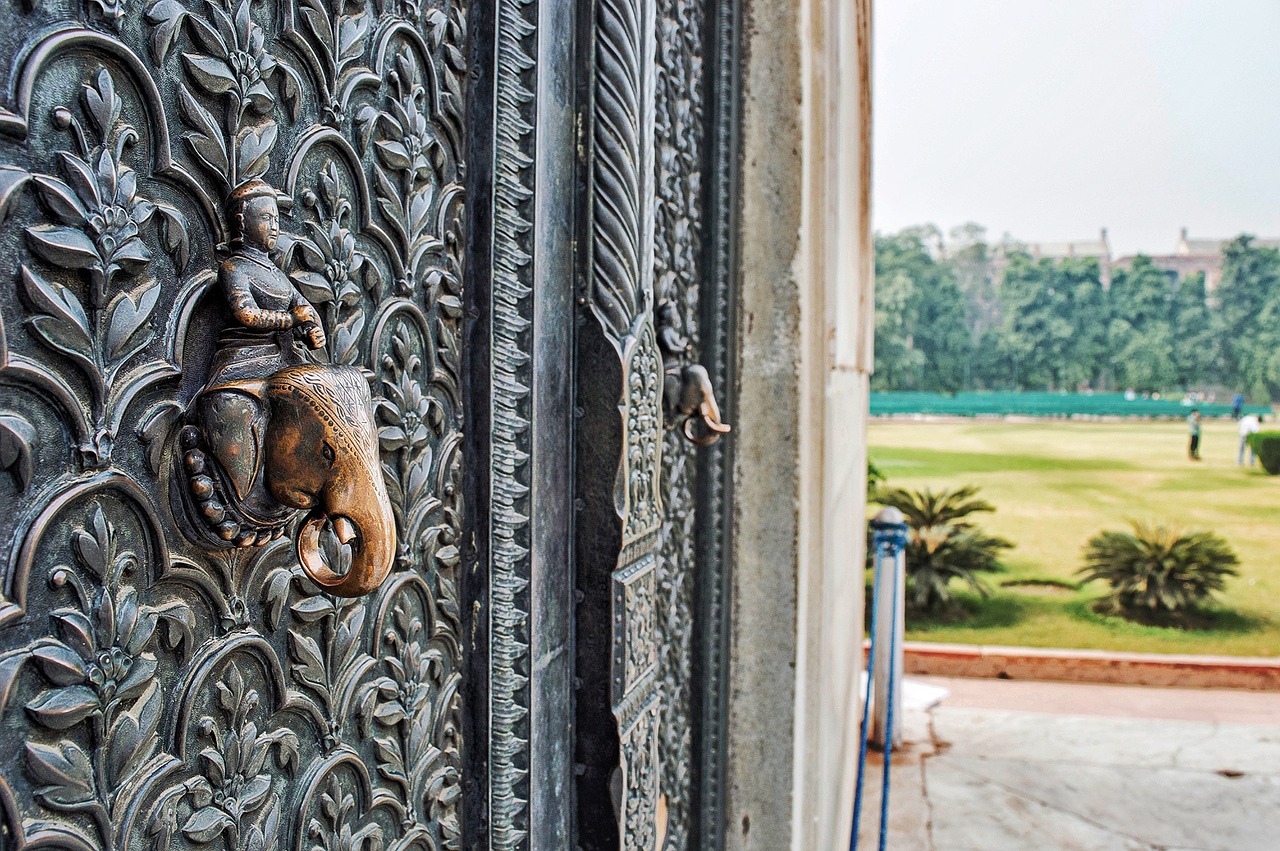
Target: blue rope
{"points": [[866, 708], [888, 724]]}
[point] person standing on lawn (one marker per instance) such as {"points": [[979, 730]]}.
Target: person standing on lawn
{"points": [[1249, 424], [1193, 424], [1237, 405]]}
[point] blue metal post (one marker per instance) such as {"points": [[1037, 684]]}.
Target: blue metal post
{"points": [[889, 538]]}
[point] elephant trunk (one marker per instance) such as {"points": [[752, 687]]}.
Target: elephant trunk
{"points": [[359, 512]]}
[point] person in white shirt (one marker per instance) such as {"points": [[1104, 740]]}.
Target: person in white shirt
{"points": [[1249, 424]]}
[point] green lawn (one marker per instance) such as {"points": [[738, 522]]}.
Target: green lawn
{"points": [[1055, 484]]}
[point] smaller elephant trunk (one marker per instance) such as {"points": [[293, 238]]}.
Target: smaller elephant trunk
{"points": [[359, 512]]}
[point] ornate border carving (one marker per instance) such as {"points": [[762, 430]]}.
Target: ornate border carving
{"points": [[715, 465], [509, 574]]}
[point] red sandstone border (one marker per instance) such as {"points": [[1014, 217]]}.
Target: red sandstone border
{"points": [[1091, 666]]}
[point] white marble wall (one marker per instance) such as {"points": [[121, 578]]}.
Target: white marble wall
{"points": [[805, 324]]}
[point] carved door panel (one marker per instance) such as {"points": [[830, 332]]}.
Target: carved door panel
{"points": [[654, 353], [234, 297]]}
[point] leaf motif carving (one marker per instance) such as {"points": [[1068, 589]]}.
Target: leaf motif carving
{"points": [[165, 16], [60, 664], [10, 664], [61, 324], [61, 304], [65, 773], [308, 665], [206, 139], [255, 151], [60, 199], [17, 438], [174, 232], [63, 246], [102, 104], [130, 317], [12, 180], [207, 824], [155, 429], [211, 74], [133, 736]]}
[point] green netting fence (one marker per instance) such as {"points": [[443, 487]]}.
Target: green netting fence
{"points": [[973, 404]]}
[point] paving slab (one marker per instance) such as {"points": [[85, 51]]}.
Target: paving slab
{"points": [[973, 813], [1153, 807], [1112, 773]]}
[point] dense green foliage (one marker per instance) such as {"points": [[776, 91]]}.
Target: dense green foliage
{"points": [[1157, 570], [1266, 445], [973, 318], [943, 543]]}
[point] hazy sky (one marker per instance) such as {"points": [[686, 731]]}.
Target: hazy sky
{"points": [[1052, 118]]}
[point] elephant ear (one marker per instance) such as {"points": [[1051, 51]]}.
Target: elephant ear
{"points": [[235, 420]]}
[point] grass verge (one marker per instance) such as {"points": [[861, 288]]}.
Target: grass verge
{"points": [[1056, 484]]}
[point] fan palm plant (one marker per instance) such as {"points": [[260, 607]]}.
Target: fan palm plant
{"points": [[1157, 570], [943, 543]]}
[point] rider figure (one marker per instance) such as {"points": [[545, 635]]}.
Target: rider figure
{"points": [[267, 307]]}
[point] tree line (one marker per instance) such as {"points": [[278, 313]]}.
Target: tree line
{"points": [[972, 316]]}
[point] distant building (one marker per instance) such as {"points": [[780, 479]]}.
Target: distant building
{"points": [[1098, 249], [1195, 255]]}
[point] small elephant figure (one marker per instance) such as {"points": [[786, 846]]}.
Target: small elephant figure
{"points": [[688, 398], [303, 438], [688, 392]]}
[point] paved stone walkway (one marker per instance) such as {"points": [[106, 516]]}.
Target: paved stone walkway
{"points": [[1017, 766]]}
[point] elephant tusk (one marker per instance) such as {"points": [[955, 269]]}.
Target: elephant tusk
{"points": [[343, 528], [341, 584]]}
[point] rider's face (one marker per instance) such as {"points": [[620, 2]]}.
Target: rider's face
{"points": [[261, 223]]}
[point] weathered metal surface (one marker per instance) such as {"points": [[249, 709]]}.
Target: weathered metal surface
{"points": [[157, 690], [166, 684], [619, 439], [652, 510], [695, 99]]}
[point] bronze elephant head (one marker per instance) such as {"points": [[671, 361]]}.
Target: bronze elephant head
{"points": [[302, 439]]}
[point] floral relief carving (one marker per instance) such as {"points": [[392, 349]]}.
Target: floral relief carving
{"points": [[102, 695], [639, 605], [328, 669], [337, 32], [98, 218], [644, 437], [409, 417], [333, 830], [336, 274], [230, 64], [235, 791], [641, 794], [412, 179], [154, 693], [411, 711]]}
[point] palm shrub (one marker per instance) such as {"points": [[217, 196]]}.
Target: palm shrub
{"points": [[875, 478], [1158, 570], [943, 543], [1266, 445]]}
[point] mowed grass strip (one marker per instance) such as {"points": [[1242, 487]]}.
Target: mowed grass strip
{"points": [[1056, 484]]}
